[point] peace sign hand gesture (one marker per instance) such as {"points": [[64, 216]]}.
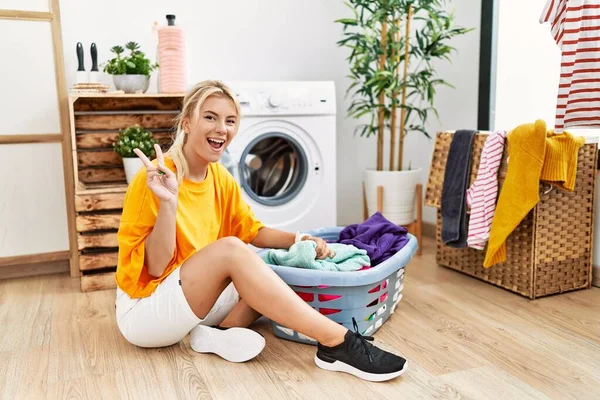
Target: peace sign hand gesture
{"points": [[160, 180]]}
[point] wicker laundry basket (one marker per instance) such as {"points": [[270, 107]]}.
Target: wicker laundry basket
{"points": [[550, 251]]}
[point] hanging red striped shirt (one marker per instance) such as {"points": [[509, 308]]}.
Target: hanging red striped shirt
{"points": [[575, 26], [482, 194]]}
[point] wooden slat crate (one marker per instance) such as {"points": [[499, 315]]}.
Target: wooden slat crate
{"points": [[95, 124], [99, 176], [98, 216]]}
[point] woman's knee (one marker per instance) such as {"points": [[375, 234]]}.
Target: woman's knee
{"points": [[219, 255], [232, 250], [237, 253], [232, 244]]}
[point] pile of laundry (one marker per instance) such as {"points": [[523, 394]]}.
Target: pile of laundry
{"points": [[359, 246], [535, 154]]}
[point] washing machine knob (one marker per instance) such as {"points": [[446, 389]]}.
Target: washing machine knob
{"points": [[243, 98], [275, 100]]}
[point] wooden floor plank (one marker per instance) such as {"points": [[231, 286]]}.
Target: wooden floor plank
{"points": [[26, 374], [416, 383], [98, 328], [417, 340], [572, 311], [491, 383], [146, 381], [67, 346], [185, 377], [72, 389], [26, 307], [487, 329], [525, 321], [5, 357], [463, 338]]}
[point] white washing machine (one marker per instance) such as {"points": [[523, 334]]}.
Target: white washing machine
{"points": [[284, 155]]}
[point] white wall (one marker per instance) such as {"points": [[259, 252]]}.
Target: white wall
{"points": [[457, 107], [33, 216], [276, 40], [527, 66]]}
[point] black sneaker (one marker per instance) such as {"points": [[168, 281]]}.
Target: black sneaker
{"points": [[358, 357]]}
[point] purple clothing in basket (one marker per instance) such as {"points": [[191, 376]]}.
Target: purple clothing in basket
{"points": [[378, 236]]}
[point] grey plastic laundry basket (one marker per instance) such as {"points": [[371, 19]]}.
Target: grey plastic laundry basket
{"points": [[370, 296]]}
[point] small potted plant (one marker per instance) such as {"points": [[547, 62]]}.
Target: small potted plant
{"points": [[131, 73], [131, 138]]}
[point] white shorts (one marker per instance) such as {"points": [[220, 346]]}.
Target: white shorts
{"points": [[165, 317]]}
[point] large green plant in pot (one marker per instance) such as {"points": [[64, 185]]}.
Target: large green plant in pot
{"points": [[393, 45]]}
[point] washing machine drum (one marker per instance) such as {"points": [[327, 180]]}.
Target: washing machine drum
{"points": [[273, 169]]}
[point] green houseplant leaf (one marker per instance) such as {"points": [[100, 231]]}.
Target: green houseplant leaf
{"points": [[135, 137], [376, 39], [136, 63]]}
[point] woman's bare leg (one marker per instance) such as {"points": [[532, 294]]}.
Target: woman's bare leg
{"points": [[208, 272], [241, 316]]}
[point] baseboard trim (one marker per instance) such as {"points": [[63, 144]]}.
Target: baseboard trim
{"points": [[596, 276], [20, 271], [35, 258]]}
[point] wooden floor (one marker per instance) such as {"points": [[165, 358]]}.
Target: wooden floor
{"points": [[463, 339]]}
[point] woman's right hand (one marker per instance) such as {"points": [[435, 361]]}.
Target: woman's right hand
{"points": [[160, 179]]}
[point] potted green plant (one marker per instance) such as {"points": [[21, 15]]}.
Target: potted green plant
{"points": [[383, 45], [131, 138], [131, 73]]}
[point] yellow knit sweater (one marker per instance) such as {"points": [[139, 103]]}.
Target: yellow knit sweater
{"points": [[560, 162], [534, 154]]}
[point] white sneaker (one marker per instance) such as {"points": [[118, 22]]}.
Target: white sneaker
{"points": [[232, 344]]}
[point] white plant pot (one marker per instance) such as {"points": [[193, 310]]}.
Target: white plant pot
{"points": [[131, 83], [132, 165], [399, 191]]}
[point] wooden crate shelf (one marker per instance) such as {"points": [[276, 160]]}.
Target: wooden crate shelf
{"points": [[95, 240], [102, 141], [95, 201], [100, 184], [100, 281], [98, 217]]}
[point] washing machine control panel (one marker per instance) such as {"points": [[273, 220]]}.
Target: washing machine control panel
{"points": [[275, 100], [279, 99]]}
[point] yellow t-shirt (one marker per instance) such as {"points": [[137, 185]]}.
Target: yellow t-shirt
{"points": [[206, 211]]}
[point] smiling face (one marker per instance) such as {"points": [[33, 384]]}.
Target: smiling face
{"points": [[209, 134]]}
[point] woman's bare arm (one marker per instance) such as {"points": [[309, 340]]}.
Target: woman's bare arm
{"points": [[160, 244], [276, 239]]}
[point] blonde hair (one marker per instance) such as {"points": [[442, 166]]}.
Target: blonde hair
{"points": [[192, 103]]}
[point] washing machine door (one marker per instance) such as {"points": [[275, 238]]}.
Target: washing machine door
{"points": [[283, 174], [273, 168]]}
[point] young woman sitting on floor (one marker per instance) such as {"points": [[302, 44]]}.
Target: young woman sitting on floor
{"points": [[183, 255]]}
